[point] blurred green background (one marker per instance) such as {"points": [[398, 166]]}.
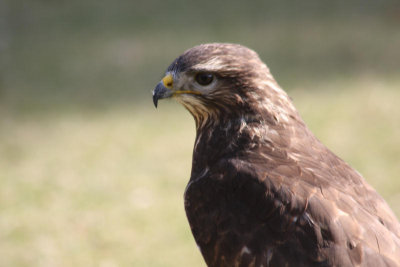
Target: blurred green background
{"points": [[92, 175]]}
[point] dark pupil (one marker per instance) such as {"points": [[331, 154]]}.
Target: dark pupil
{"points": [[204, 78]]}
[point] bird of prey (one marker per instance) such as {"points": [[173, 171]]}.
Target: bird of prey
{"points": [[263, 190]]}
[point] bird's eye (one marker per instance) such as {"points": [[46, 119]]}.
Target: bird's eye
{"points": [[204, 78]]}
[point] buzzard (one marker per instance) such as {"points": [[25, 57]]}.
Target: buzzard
{"points": [[263, 190]]}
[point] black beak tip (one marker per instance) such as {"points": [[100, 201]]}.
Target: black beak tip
{"points": [[155, 100], [160, 92]]}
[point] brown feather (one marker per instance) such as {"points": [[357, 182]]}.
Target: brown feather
{"points": [[263, 190]]}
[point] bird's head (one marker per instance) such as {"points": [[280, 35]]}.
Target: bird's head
{"points": [[212, 80]]}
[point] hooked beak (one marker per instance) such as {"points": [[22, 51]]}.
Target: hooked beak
{"points": [[164, 89], [161, 92]]}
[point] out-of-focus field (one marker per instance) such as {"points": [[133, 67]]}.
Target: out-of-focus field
{"points": [[92, 175]]}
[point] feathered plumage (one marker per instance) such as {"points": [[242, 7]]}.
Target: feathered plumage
{"points": [[263, 190]]}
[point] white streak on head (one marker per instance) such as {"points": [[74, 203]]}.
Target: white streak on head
{"points": [[213, 64], [284, 117], [272, 84]]}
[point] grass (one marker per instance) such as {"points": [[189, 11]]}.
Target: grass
{"points": [[92, 190]]}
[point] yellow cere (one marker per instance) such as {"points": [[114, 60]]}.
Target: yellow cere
{"points": [[168, 81]]}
